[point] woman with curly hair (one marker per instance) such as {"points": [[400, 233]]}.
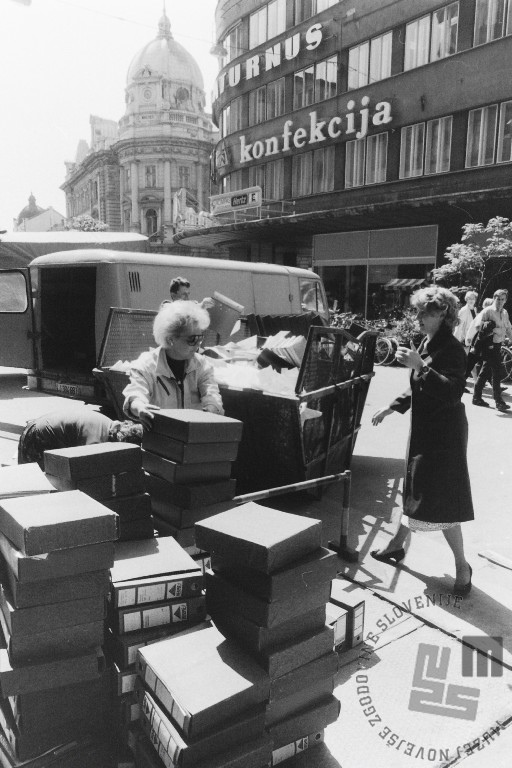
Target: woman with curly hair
{"points": [[437, 491]]}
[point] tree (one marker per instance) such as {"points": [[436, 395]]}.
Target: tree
{"points": [[484, 254], [86, 223]]}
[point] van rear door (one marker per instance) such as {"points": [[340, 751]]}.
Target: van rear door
{"points": [[272, 294], [16, 319]]}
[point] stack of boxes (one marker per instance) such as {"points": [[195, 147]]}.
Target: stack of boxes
{"points": [[111, 473], [156, 591], [202, 703], [188, 455], [56, 551], [345, 610], [268, 590]]}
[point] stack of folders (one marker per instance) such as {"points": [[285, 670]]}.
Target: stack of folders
{"points": [[288, 349], [188, 455], [56, 550], [156, 591], [202, 701], [268, 589], [111, 473]]}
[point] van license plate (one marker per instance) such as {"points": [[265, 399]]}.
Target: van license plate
{"points": [[68, 389]]}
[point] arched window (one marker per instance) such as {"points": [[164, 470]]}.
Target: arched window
{"points": [[151, 221]]}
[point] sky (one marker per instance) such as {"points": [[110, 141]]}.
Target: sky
{"points": [[64, 60]]}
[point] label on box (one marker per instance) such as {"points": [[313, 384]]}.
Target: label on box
{"points": [[128, 683], [155, 617], [151, 594], [179, 612], [289, 750], [132, 652], [126, 597], [174, 589]]}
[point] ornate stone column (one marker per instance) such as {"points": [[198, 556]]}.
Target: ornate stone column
{"points": [[167, 194], [135, 219]]}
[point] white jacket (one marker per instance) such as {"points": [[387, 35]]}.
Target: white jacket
{"points": [[152, 381], [465, 319]]}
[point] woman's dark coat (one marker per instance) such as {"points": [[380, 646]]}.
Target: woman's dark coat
{"points": [[437, 487]]}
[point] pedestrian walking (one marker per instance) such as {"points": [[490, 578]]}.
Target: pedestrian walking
{"points": [[466, 315], [437, 491], [496, 318]]}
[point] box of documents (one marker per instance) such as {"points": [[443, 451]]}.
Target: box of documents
{"points": [[92, 460], [193, 426]]}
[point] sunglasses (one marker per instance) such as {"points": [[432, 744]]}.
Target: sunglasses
{"points": [[193, 340]]}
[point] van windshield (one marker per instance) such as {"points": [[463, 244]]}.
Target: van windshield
{"points": [[311, 298]]}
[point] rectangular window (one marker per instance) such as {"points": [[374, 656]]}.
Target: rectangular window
{"points": [[275, 98], [358, 66], [380, 57], [505, 133], [225, 121], [376, 158], [236, 116], [233, 45], [438, 144], [274, 180], [267, 22], [417, 39], [492, 20], [301, 174], [150, 175], [481, 136], [304, 9], [303, 87], [257, 177], [326, 78], [354, 163], [323, 170], [257, 106], [370, 61], [184, 175], [445, 28], [411, 151]]}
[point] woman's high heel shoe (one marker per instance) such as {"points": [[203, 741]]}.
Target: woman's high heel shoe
{"points": [[388, 557], [466, 588]]}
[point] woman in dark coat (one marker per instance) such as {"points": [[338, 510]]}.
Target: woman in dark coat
{"points": [[437, 491]]}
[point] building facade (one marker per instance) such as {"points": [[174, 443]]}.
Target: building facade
{"points": [[386, 124], [33, 218], [130, 174]]}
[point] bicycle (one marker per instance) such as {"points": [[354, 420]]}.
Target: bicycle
{"points": [[506, 361]]}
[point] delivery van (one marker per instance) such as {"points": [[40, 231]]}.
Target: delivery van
{"points": [[53, 314]]}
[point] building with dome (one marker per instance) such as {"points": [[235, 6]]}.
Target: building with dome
{"points": [[139, 174], [33, 218]]}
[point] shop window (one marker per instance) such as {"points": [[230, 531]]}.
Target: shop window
{"points": [[275, 98], [354, 163], [438, 145], [493, 19], [481, 136], [267, 22], [376, 158], [150, 175], [370, 61], [417, 38], [411, 151], [257, 105], [505, 133], [316, 83], [304, 9]]}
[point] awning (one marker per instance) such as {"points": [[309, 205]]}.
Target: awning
{"points": [[404, 283]]}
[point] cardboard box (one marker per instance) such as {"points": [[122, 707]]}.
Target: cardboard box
{"points": [[185, 473], [124, 680], [281, 709], [58, 564], [78, 587], [41, 618], [40, 524], [188, 453], [184, 536], [346, 595], [302, 677], [259, 639], [315, 718], [156, 588], [190, 495], [173, 748], [85, 461], [136, 618], [251, 754], [258, 537], [80, 752], [193, 426], [134, 507], [296, 579], [178, 667], [104, 486], [337, 619], [52, 643], [54, 673], [296, 747], [23, 480], [180, 517], [259, 611], [123, 648], [127, 709], [135, 530]]}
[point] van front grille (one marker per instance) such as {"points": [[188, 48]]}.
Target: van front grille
{"points": [[134, 280]]}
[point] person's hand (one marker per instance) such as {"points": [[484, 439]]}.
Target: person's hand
{"points": [[409, 357], [143, 412], [380, 415], [207, 302]]}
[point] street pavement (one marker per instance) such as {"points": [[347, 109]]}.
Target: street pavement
{"points": [[406, 697]]}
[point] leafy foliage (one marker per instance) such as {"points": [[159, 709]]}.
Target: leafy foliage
{"points": [[86, 223]]}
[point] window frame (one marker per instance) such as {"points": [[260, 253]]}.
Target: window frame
{"points": [[482, 136], [506, 23], [412, 149], [377, 139], [447, 120], [501, 123]]}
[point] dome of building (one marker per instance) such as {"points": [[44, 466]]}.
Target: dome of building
{"points": [[30, 210], [164, 57]]}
